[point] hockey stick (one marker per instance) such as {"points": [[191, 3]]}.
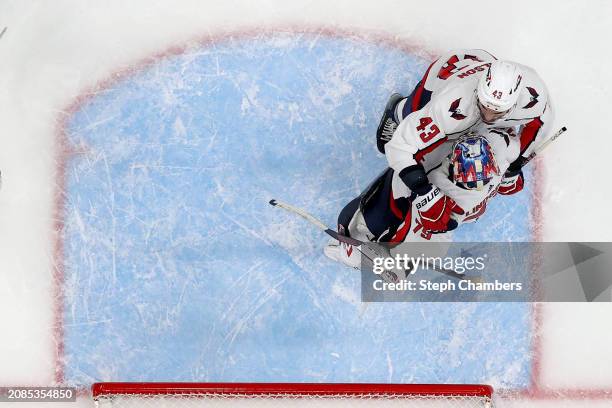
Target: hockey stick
{"points": [[351, 241], [357, 244], [3, 31], [544, 145], [315, 221]]}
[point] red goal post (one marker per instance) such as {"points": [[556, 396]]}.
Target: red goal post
{"points": [[118, 394]]}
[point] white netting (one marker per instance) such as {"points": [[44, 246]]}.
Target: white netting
{"points": [[226, 400]]}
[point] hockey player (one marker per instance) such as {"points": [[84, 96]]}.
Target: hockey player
{"points": [[461, 92], [470, 171]]}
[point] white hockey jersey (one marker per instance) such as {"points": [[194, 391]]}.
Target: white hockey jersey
{"points": [[505, 148], [451, 82]]}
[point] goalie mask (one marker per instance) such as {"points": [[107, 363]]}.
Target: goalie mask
{"points": [[472, 163]]}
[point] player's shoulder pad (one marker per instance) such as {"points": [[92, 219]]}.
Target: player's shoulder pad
{"points": [[505, 144], [534, 98], [455, 107]]}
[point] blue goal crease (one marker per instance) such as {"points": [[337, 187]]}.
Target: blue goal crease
{"points": [[177, 269]]}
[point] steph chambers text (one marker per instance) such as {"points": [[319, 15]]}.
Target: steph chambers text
{"points": [[424, 285]]}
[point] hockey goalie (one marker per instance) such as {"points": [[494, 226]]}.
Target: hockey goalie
{"points": [[472, 172]]}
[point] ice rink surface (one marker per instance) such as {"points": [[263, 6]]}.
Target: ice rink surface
{"points": [[141, 142], [167, 217]]}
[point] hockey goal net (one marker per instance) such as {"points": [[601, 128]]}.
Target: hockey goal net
{"points": [[293, 395]]}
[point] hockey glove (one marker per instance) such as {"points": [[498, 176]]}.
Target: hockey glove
{"points": [[511, 184], [435, 211], [434, 207], [515, 167]]}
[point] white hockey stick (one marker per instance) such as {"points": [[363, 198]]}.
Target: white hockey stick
{"points": [[367, 250], [315, 221], [545, 144]]}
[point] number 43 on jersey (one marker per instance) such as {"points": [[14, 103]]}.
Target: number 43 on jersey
{"points": [[427, 129]]}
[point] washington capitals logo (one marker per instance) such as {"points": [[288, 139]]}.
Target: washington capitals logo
{"points": [[502, 134], [534, 98], [455, 111]]}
